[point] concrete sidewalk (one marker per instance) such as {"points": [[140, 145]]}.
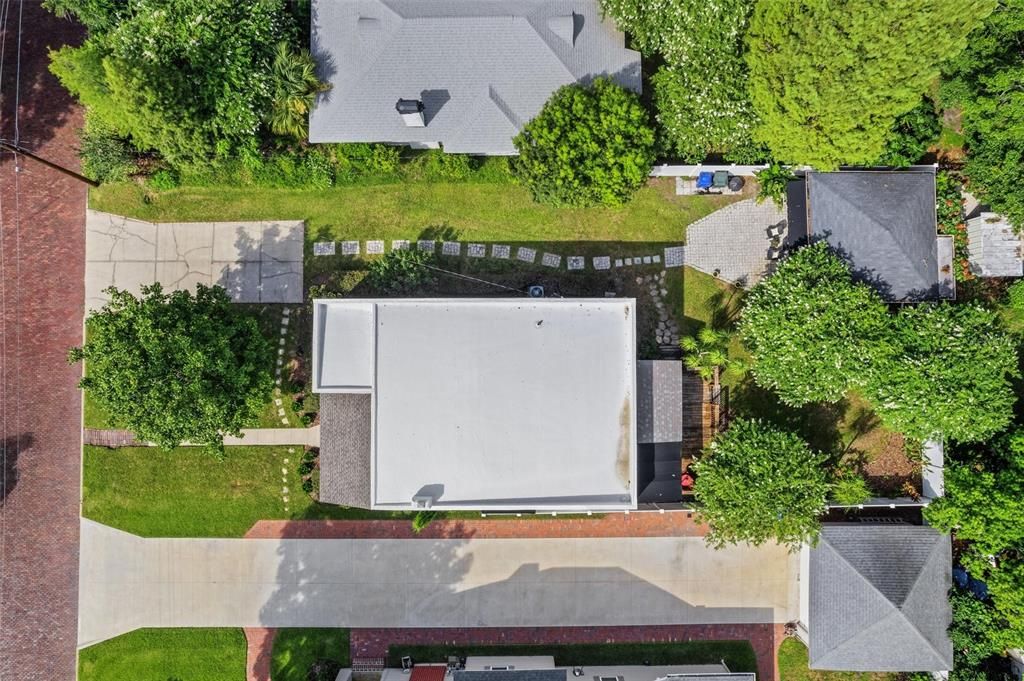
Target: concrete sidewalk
{"points": [[129, 582], [273, 437]]}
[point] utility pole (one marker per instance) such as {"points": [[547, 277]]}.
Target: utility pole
{"points": [[17, 149]]}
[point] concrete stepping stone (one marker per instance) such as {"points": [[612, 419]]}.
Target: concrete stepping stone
{"points": [[499, 251], [602, 262], [551, 260], [323, 248], [400, 245], [476, 250], [350, 248], [427, 245], [451, 248], [647, 260], [576, 262], [375, 247], [675, 256], [656, 258], [618, 262], [526, 254], [629, 262]]}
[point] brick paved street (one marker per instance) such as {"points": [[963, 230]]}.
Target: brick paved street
{"points": [[42, 302]]}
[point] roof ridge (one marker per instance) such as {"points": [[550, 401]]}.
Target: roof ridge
{"points": [[535, 22], [917, 632]]}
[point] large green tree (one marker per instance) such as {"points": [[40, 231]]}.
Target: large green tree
{"points": [[176, 367], [589, 145], [187, 78], [828, 78], [812, 329], [984, 82], [984, 505], [756, 483], [945, 371]]}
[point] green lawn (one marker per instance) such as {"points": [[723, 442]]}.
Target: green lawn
{"points": [[295, 650], [467, 211], [793, 667], [737, 655], [164, 654], [188, 493]]}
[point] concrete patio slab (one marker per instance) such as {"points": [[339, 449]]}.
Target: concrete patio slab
{"points": [[254, 261], [129, 582]]}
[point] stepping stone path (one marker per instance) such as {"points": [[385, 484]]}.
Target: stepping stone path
{"points": [[285, 319], [374, 247], [667, 330], [323, 248], [427, 245], [526, 254], [350, 248], [502, 252], [577, 262], [476, 250], [400, 245], [551, 260], [451, 248], [602, 262]]}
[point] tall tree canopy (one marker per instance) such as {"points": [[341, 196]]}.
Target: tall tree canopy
{"points": [[187, 78], [828, 78], [813, 330], [175, 367], [945, 371], [756, 484]]}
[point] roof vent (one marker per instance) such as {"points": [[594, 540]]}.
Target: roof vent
{"points": [[422, 501], [564, 27], [411, 111], [368, 24]]}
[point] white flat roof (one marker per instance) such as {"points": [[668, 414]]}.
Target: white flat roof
{"points": [[489, 404]]}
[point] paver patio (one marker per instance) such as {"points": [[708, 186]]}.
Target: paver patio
{"points": [[257, 262], [732, 243], [128, 582]]}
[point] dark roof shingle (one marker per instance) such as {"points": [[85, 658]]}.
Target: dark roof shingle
{"points": [[345, 449]]}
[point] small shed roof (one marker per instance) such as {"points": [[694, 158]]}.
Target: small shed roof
{"points": [[659, 401], [993, 247], [345, 449]]}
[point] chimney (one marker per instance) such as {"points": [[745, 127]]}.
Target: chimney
{"points": [[411, 111]]}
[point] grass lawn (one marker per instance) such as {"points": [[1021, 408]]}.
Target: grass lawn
{"points": [[793, 667], [295, 650], [466, 211], [162, 654], [738, 655], [188, 493]]}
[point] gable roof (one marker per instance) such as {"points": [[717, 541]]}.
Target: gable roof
{"points": [[482, 68], [878, 599], [884, 223]]}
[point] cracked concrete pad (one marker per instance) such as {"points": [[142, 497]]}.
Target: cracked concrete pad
{"points": [[113, 237], [176, 275], [240, 279], [237, 241], [98, 276], [282, 241], [134, 275], [184, 241], [281, 282]]}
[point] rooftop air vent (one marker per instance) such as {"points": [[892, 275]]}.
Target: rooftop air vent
{"points": [[411, 111], [564, 27], [422, 501]]}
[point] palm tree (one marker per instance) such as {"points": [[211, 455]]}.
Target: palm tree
{"points": [[707, 353], [296, 85]]}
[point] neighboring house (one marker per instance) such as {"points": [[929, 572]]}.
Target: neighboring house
{"points": [[462, 74], [993, 247], [875, 598], [477, 404], [542, 668], [884, 223]]}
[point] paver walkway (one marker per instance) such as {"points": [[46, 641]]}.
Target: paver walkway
{"points": [[303, 437], [129, 582], [41, 304], [257, 262], [732, 243]]}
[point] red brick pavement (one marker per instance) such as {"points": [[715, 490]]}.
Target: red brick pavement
{"points": [[765, 638], [259, 648], [635, 524], [42, 296]]}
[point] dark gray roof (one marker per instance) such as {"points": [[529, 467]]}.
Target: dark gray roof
{"points": [[993, 247], [884, 222], [659, 401], [878, 599], [511, 675], [482, 68], [345, 449]]}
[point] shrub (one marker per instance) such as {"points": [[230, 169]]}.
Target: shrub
{"points": [[589, 145], [422, 519], [435, 165], [401, 272], [773, 182], [911, 135], [164, 179], [106, 156], [850, 489], [1015, 295], [295, 87], [756, 483]]}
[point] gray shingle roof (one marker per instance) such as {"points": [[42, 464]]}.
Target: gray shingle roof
{"points": [[482, 68], [878, 599], [345, 449], [659, 401], [884, 222], [994, 249]]}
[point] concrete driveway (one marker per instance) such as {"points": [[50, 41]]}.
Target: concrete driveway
{"points": [[129, 582]]}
